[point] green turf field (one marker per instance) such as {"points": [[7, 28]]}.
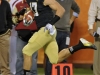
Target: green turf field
{"points": [[76, 71]]}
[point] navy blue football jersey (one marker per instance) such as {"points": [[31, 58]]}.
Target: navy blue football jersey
{"points": [[43, 14]]}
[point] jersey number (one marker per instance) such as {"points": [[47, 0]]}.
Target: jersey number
{"points": [[34, 5]]}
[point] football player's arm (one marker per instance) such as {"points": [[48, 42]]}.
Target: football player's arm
{"points": [[54, 5]]}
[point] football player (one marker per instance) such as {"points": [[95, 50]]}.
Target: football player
{"points": [[45, 19], [45, 37]]}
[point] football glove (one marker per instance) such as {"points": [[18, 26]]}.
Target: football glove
{"points": [[50, 28]]}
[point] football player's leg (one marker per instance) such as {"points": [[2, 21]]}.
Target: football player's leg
{"points": [[30, 63], [83, 44], [27, 62], [63, 54], [37, 41], [51, 51]]}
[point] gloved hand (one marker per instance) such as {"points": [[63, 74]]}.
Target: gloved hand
{"points": [[50, 28]]}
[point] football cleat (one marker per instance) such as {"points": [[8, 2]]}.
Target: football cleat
{"points": [[87, 44]]}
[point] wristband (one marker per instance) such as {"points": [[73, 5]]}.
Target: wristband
{"points": [[54, 20]]}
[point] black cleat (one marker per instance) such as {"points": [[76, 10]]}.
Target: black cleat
{"points": [[87, 44]]}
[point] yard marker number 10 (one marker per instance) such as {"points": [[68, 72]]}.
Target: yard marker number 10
{"points": [[62, 69]]}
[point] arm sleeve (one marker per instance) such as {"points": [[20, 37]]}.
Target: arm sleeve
{"points": [[92, 13], [9, 16], [75, 8]]}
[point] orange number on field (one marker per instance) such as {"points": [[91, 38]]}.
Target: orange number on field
{"points": [[62, 69]]}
